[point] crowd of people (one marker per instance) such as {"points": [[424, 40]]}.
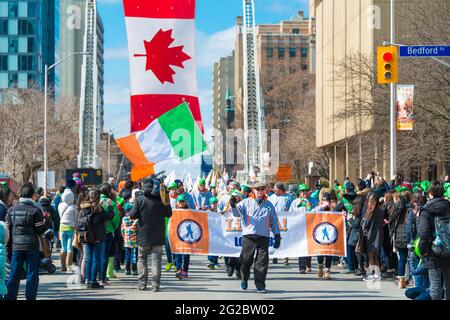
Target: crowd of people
{"points": [[396, 230]]}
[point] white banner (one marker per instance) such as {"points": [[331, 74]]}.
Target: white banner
{"points": [[215, 234]]}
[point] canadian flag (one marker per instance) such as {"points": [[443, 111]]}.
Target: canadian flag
{"points": [[161, 43]]}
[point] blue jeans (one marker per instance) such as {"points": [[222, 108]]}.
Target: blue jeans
{"points": [[67, 239], [31, 260], [131, 255], [439, 283], [418, 294], [352, 260], [109, 242], [402, 260], [93, 259], [168, 252], [182, 261], [213, 260]]}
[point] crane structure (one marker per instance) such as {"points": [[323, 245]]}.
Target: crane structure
{"points": [[253, 109], [89, 134]]}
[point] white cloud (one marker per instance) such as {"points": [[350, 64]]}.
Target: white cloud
{"points": [[210, 48]]}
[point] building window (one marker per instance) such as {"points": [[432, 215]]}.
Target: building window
{"points": [[3, 80], [12, 62], [23, 44], [295, 31], [4, 63], [31, 46], [12, 80], [269, 52], [31, 9], [281, 52], [26, 27], [304, 52], [13, 9], [4, 27], [12, 27], [292, 52], [23, 80], [3, 45], [4, 9], [13, 46], [23, 9], [304, 67], [26, 63]]}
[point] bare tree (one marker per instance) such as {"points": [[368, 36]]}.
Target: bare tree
{"points": [[22, 131]]}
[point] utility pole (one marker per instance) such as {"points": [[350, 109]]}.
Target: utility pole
{"points": [[393, 131]]}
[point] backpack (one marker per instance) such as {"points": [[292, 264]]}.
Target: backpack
{"points": [[441, 244], [83, 227]]}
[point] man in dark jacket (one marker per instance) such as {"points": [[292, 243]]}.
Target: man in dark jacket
{"points": [[439, 268], [26, 223], [151, 213]]}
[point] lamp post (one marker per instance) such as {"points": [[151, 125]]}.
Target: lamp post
{"points": [[47, 69]]}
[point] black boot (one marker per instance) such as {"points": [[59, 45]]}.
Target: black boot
{"points": [[134, 268]]}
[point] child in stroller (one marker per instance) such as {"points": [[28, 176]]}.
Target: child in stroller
{"points": [[46, 263]]}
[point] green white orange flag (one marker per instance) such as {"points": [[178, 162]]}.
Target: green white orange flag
{"points": [[172, 136]]}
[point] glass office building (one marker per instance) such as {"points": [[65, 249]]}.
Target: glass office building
{"points": [[29, 34]]}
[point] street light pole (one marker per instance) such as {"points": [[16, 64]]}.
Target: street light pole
{"points": [[47, 69], [393, 131]]}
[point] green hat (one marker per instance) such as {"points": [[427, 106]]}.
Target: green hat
{"points": [[303, 187], [446, 186], [425, 185], [213, 200], [173, 185], [245, 188], [417, 184], [416, 188], [447, 194], [181, 197], [236, 193], [202, 182], [213, 186]]}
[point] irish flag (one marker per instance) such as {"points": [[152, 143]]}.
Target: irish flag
{"points": [[161, 43], [173, 135]]}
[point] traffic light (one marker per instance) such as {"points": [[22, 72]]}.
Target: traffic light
{"points": [[387, 58]]}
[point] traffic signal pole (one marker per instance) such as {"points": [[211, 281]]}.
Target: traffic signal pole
{"points": [[393, 133]]}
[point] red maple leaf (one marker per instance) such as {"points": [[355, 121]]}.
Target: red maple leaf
{"points": [[160, 56]]}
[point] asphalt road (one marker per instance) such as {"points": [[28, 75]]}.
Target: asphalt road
{"points": [[283, 283]]}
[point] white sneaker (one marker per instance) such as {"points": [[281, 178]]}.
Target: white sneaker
{"points": [[369, 278]]}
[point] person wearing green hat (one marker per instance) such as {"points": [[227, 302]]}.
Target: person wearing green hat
{"points": [[182, 260], [213, 260], [201, 196], [421, 290], [246, 191], [301, 204]]}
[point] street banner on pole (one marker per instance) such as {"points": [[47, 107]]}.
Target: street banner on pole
{"points": [[161, 43], [303, 234], [405, 107]]}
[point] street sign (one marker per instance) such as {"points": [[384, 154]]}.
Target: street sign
{"points": [[50, 180], [424, 51], [284, 173]]}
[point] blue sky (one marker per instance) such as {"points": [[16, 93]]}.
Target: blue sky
{"points": [[215, 20]]}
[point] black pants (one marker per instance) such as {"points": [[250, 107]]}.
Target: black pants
{"points": [[249, 246], [328, 260], [304, 262], [118, 250]]}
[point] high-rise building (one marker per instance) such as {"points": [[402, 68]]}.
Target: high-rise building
{"points": [[28, 38], [223, 92], [91, 99]]}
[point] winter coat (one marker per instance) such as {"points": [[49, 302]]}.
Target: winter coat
{"points": [[25, 222], [397, 225], [438, 207], [67, 209], [4, 237], [151, 214], [96, 220], [354, 225], [129, 232], [113, 224], [373, 230], [411, 229], [3, 210], [56, 201]]}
